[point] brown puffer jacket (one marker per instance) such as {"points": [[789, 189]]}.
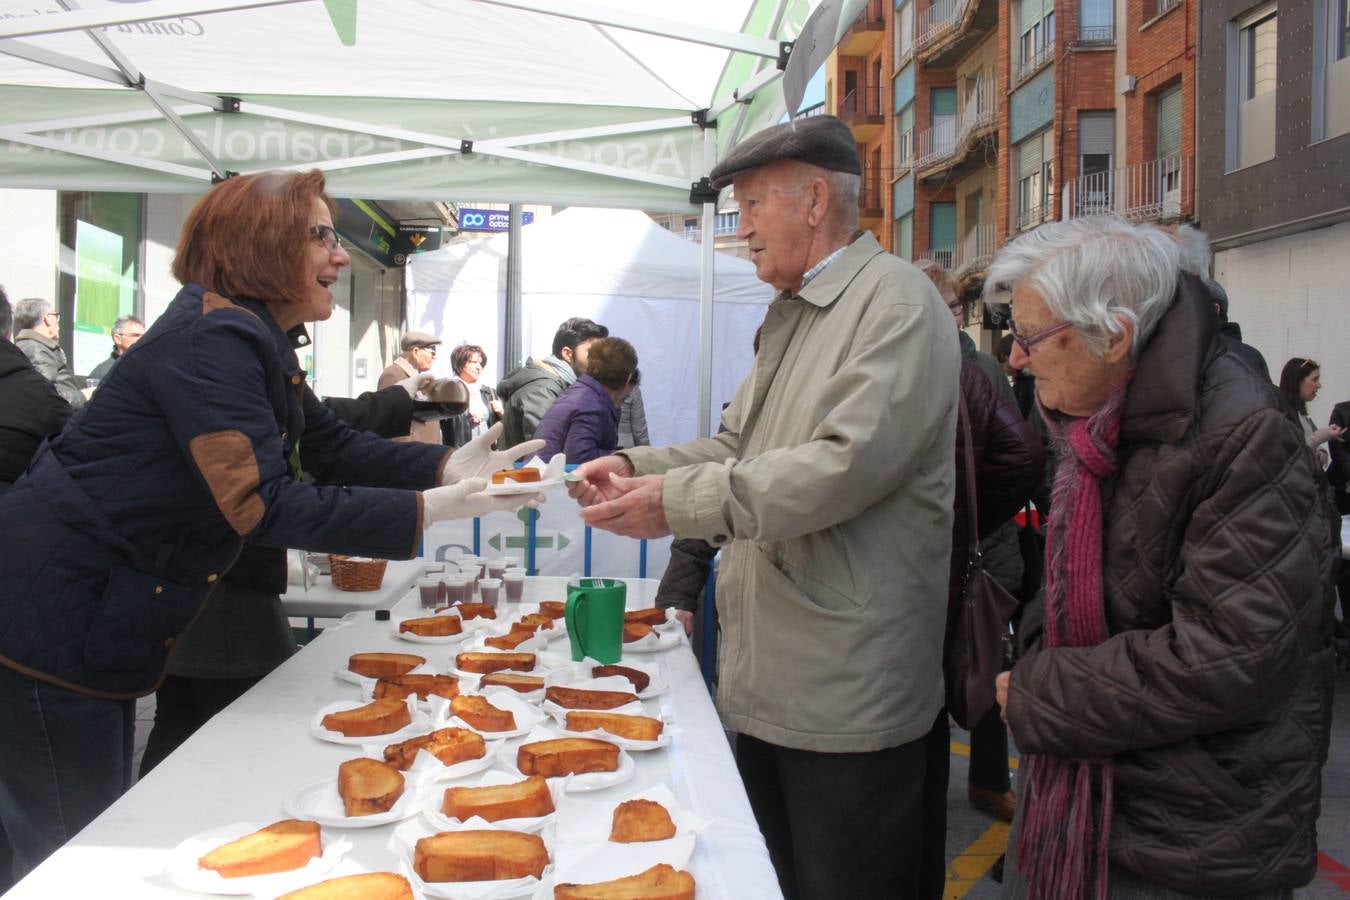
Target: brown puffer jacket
{"points": [[1213, 693]]}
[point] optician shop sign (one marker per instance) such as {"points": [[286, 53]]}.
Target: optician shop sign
{"points": [[489, 219]]}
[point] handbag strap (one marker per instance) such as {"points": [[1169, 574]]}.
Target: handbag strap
{"points": [[972, 511]]}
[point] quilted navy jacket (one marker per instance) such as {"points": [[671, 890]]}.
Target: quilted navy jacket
{"points": [[124, 524], [582, 423]]}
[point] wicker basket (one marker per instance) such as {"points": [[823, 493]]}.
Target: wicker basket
{"points": [[350, 574]]}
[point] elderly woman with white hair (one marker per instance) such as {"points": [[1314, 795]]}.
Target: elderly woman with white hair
{"points": [[1172, 702]]}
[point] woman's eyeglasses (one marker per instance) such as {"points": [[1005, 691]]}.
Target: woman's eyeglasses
{"points": [[326, 236], [1026, 342]]}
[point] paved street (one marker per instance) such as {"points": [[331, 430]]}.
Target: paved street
{"points": [[975, 839]]}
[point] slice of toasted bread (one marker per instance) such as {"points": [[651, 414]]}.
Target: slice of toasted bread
{"points": [[639, 678], [376, 717], [479, 855], [509, 641], [423, 686], [481, 714], [535, 622], [432, 626], [280, 847], [523, 684], [384, 665], [641, 820], [580, 698], [554, 609], [369, 786], [473, 661], [449, 745], [650, 616], [660, 882], [635, 631], [638, 728], [522, 475], [476, 610], [563, 756], [367, 886], [526, 799]]}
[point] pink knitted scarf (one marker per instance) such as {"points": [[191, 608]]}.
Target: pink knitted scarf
{"points": [[1060, 844]]}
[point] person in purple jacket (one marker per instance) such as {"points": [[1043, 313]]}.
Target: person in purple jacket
{"points": [[583, 422]]}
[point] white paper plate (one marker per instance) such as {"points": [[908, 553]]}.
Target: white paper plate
{"points": [[411, 638], [421, 724], [538, 641], [403, 843], [438, 820], [591, 819], [573, 784], [527, 715], [346, 674], [591, 862], [527, 487], [319, 800], [559, 714], [182, 869], [426, 768], [655, 642]]}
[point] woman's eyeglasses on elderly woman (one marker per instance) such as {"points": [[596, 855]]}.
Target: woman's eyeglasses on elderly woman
{"points": [[326, 236], [1027, 341]]}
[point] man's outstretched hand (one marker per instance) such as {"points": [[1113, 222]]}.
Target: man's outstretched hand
{"points": [[633, 507], [589, 483]]}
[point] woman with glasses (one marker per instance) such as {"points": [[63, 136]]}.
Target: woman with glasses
{"points": [[1172, 699], [193, 446]]}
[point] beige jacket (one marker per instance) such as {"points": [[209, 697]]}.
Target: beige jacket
{"points": [[831, 491], [399, 369]]}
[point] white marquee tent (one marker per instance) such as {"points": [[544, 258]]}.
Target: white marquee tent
{"points": [[541, 101], [617, 267]]}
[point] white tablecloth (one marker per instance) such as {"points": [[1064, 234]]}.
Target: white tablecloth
{"points": [[240, 766]]}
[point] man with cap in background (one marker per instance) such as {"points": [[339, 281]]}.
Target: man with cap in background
{"points": [[830, 492], [419, 352]]}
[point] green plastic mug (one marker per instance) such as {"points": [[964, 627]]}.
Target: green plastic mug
{"points": [[594, 615]]}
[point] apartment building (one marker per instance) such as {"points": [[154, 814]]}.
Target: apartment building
{"points": [[1274, 150], [999, 115], [857, 90]]}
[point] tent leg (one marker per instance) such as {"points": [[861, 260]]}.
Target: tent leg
{"points": [[705, 297], [513, 355]]}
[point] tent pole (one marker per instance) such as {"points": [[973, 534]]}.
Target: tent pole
{"points": [[705, 296], [512, 355]]}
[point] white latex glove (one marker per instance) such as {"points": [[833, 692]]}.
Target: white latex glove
{"points": [[465, 500], [415, 383], [477, 459]]}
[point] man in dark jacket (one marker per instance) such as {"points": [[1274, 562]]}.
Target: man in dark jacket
{"points": [[583, 423], [529, 391], [31, 410], [1231, 333], [37, 328], [126, 331]]}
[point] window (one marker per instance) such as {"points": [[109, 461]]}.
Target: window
{"points": [[101, 235], [1096, 157], [943, 115], [1035, 180], [1253, 47], [1169, 151], [904, 236], [904, 138], [942, 233], [1096, 22], [1331, 69], [1037, 24], [727, 223], [904, 34]]}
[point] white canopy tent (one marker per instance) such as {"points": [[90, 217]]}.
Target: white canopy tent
{"points": [[544, 101], [617, 267]]}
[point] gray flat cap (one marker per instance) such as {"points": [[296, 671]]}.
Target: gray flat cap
{"points": [[823, 141], [419, 339]]}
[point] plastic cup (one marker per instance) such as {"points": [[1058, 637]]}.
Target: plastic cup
{"points": [[490, 591], [495, 568], [429, 590], [473, 567], [512, 562], [459, 589], [513, 584]]}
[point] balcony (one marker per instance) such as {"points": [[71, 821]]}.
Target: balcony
{"points": [[1097, 36], [944, 257], [861, 111], [944, 32], [976, 249], [949, 142], [866, 31], [1033, 64], [1155, 191], [871, 206]]}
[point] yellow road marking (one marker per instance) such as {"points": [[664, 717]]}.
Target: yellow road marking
{"points": [[968, 868], [961, 749]]}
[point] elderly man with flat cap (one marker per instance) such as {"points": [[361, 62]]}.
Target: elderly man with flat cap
{"points": [[830, 492], [419, 352]]}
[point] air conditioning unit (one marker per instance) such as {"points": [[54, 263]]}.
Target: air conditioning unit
{"points": [[1128, 83]]}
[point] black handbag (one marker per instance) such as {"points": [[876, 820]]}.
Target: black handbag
{"points": [[980, 641]]}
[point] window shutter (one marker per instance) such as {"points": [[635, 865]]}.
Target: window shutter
{"points": [[944, 102], [1029, 157], [942, 233], [1096, 133], [1169, 122]]}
